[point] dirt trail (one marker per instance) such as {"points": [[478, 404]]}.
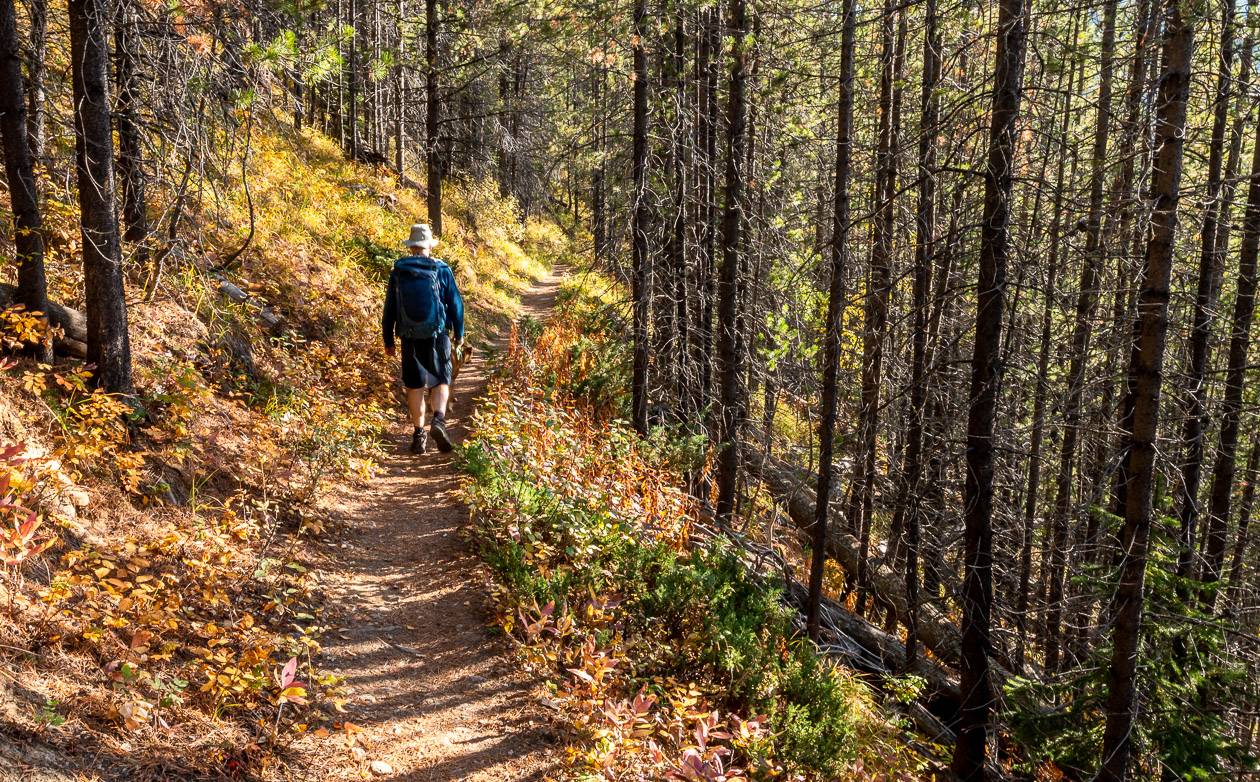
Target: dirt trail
{"points": [[435, 692]]}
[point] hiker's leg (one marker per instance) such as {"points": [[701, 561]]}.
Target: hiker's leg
{"points": [[415, 406], [441, 394]]}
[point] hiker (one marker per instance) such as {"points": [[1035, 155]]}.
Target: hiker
{"points": [[424, 308]]}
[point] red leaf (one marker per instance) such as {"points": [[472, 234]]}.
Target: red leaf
{"points": [[289, 672]]}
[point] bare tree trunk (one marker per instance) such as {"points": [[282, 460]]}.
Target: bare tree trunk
{"points": [[352, 76], [1128, 229], [1223, 471], [36, 66], [684, 390], [1145, 379], [1033, 487], [709, 69], [432, 120], [1210, 255], [835, 311], [642, 263], [400, 94], [970, 751], [1086, 301], [730, 333], [19, 169], [925, 236], [878, 289], [1245, 507], [108, 348], [130, 149]]}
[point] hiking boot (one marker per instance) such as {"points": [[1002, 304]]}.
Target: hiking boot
{"points": [[419, 441], [442, 437]]}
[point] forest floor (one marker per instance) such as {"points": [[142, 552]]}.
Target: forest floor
{"points": [[433, 689]]}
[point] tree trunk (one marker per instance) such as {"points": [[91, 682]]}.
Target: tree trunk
{"points": [[352, 77], [1033, 486], [19, 169], [970, 752], [1245, 507], [36, 66], [130, 148], [1127, 231], [642, 263], [1210, 255], [400, 94], [1086, 300], [878, 289], [1144, 383], [1223, 471], [432, 120], [925, 227], [835, 312], [108, 348], [730, 334], [684, 391], [709, 69]]}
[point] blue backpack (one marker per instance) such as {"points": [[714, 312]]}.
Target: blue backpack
{"points": [[418, 286]]}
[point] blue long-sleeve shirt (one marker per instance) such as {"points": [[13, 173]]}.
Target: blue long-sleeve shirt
{"points": [[452, 302]]}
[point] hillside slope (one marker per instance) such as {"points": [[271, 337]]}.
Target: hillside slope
{"points": [[168, 577]]}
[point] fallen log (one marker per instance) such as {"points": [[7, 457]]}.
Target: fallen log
{"points": [[857, 643], [791, 487], [72, 322], [866, 648]]}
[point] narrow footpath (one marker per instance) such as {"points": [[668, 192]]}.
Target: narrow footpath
{"points": [[433, 689]]}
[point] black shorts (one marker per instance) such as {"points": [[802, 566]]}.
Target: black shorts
{"points": [[426, 362]]}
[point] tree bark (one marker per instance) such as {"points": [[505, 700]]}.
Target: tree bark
{"points": [[835, 311], [1204, 307], [642, 264], [970, 752], [1145, 378], [1086, 301], [925, 232], [730, 325], [878, 289], [109, 348], [130, 149], [352, 78], [1033, 486], [1224, 470], [432, 119], [36, 66], [1246, 506], [1126, 231], [19, 169], [682, 352], [709, 68], [400, 93]]}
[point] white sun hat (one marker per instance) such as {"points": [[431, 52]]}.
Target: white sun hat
{"points": [[421, 237]]}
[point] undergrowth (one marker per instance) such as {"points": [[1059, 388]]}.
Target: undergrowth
{"points": [[666, 656]]}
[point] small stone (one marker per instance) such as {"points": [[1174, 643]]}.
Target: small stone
{"points": [[78, 497], [381, 768]]}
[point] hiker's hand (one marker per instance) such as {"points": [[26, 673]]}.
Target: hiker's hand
{"points": [[389, 350]]}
